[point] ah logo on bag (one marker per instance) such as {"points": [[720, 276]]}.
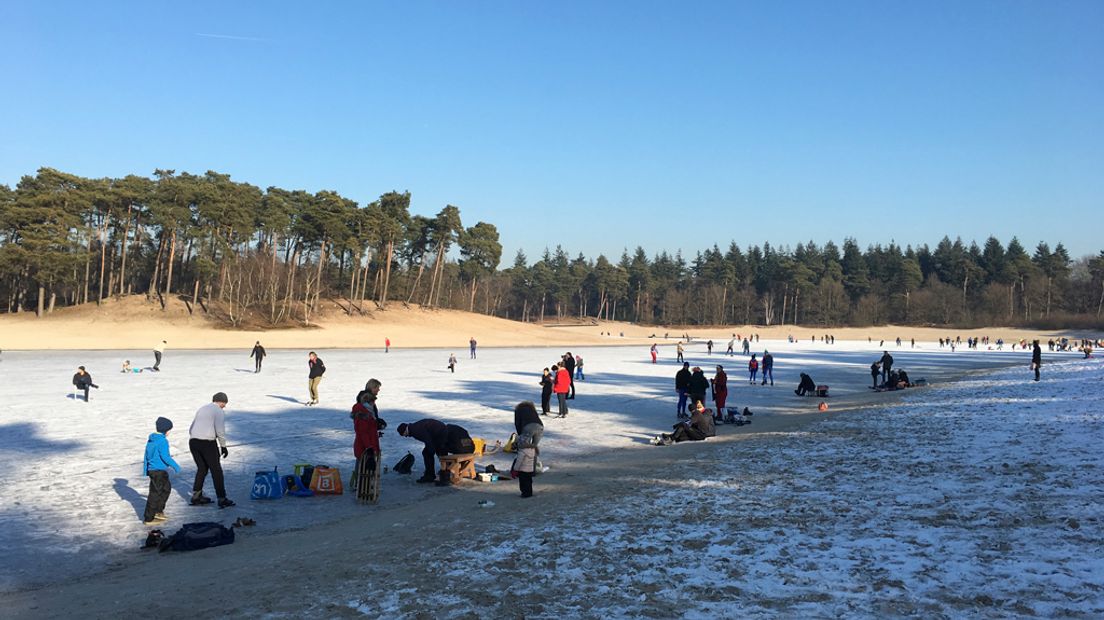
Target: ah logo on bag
{"points": [[267, 485], [326, 481]]}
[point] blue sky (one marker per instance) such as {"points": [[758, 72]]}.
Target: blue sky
{"points": [[595, 125]]}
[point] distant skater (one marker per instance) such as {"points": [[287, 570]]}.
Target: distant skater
{"points": [[887, 365], [678, 352], [452, 363], [82, 380], [655, 353], [731, 344], [258, 356], [314, 376], [471, 346], [158, 351], [753, 369], [386, 345], [709, 346], [1036, 360], [579, 368]]}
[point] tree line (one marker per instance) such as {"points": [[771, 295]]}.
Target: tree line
{"points": [[272, 256]]}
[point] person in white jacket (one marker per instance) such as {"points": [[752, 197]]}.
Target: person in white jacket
{"points": [[207, 443]]}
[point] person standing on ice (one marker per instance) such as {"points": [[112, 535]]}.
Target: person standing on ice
{"points": [[655, 353], [875, 372], [719, 382], [709, 347], [471, 346], [386, 345], [569, 364], [158, 351], [367, 424], [82, 380], [207, 443], [731, 344], [682, 388], [156, 465], [561, 386], [258, 354], [579, 368], [452, 362], [314, 376], [747, 346], [546, 391], [678, 352], [1036, 359], [887, 365], [753, 369], [768, 367]]}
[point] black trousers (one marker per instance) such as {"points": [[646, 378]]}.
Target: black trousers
{"points": [[159, 490], [259, 360], [157, 360], [546, 400], [525, 483], [428, 453], [572, 384], [205, 453], [1035, 365]]}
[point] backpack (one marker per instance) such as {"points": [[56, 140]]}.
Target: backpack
{"points": [[326, 481], [294, 485], [304, 471], [405, 464], [267, 485], [192, 536]]}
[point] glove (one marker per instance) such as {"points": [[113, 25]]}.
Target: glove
{"points": [[381, 423], [225, 452]]}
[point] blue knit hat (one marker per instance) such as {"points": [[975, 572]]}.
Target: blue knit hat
{"points": [[163, 425]]}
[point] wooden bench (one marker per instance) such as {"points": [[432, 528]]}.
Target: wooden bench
{"points": [[459, 466]]}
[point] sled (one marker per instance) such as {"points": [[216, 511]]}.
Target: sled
{"points": [[368, 478]]}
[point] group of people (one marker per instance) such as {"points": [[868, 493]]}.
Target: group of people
{"points": [[559, 379]]}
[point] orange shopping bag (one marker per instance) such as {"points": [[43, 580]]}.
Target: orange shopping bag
{"points": [[326, 481]]}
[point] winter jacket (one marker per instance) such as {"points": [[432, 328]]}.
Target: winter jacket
{"points": [[209, 424], [82, 381], [704, 423], [563, 382], [720, 382], [569, 364], [768, 361], [1037, 356], [317, 368], [428, 431], [753, 364], [526, 460], [682, 379], [887, 361], [365, 427], [157, 455], [546, 384], [698, 383], [258, 352]]}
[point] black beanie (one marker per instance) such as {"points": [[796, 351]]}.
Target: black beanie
{"points": [[163, 425]]}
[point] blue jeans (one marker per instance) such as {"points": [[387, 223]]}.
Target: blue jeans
{"points": [[682, 401], [768, 371]]}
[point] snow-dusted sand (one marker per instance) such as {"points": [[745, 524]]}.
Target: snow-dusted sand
{"points": [[977, 495]]}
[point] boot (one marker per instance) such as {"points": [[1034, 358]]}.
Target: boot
{"points": [[199, 499], [225, 502]]}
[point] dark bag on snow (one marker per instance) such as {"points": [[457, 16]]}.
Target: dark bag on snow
{"points": [[295, 486], [192, 536], [405, 464]]}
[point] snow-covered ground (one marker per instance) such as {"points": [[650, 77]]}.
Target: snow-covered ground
{"points": [[73, 490], [980, 498]]}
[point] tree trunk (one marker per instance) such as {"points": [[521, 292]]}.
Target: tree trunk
{"points": [[169, 272], [41, 301], [103, 256], [195, 297]]}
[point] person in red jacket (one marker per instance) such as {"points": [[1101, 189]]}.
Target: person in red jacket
{"points": [[366, 422], [561, 386], [720, 389]]}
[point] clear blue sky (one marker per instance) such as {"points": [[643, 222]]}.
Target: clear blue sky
{"points": [[595, 125]]}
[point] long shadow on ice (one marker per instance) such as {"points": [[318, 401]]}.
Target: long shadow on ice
{"points": [[25, 437], [131, 496]]}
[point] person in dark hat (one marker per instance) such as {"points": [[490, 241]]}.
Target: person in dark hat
{"points": [[156, 465], [207, 443], [82, 380], [259, 355], [699, 385], [682, 388]]}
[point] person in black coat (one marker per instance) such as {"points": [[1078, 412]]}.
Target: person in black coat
{"points": [[432, 433], [699, 385], [259, 354], [807, 386], [875, 372], [82, 380], [887, 365], [314, 376], [546, 391], [682, 387], [1036, 360]]}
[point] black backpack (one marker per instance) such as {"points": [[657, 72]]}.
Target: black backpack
{"points": [[192, 536], [405, 464]]}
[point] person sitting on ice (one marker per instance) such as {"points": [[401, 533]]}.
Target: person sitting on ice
{"points": [[903, 379], [699, 427], [806, 387]]}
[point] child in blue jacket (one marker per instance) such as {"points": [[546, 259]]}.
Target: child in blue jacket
{"points": [[156, 465]]}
